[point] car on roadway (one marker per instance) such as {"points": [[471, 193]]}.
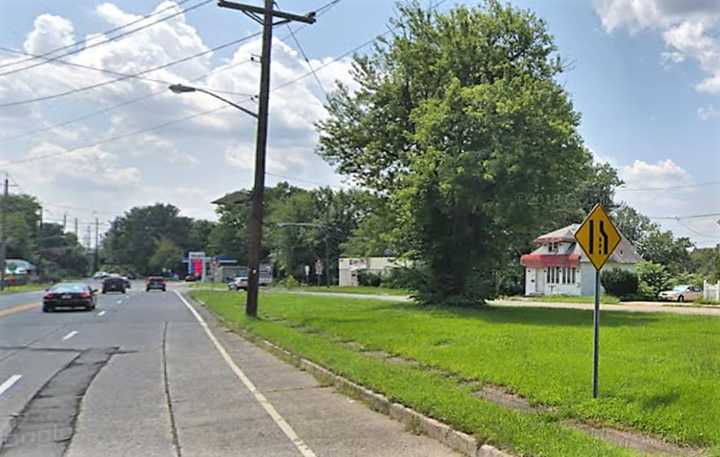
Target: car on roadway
{"points": [[190, 278], [114, 284], [100, 275], [239, 283], [681, 293], [155, 283], [69, 295]]}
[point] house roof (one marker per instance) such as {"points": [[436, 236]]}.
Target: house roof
{"points": [[625, 252], [566, 234]]}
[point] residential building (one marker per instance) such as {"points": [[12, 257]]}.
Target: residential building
{"points": [[560, 267]]}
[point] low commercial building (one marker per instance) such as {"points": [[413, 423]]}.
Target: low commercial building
{"points": [[560, 267], [350, 267]]}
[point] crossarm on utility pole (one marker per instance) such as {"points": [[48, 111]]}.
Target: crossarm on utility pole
{"points": [[308, 19]]}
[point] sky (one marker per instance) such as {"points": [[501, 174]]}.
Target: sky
{"points": [[644, 74]]}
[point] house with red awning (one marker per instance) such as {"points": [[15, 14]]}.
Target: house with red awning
{"points": [[559, 267]]}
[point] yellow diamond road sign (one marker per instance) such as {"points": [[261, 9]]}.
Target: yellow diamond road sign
{"points": [[597, 236]]}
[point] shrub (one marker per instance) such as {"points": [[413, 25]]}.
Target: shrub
{"points": [[400, 278], [653, 277], [289, 283], [365, 278], [620, 283]]}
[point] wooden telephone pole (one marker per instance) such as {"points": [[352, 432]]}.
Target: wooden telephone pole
{"points": [[266, 17], [3, 230]]}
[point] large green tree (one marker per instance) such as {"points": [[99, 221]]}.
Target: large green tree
{"points": [[134, 237], [459, 121]]}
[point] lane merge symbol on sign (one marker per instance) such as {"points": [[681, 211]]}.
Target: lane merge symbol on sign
{"points": [[598, 238]]}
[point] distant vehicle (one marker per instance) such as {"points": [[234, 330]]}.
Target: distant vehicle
{"points": [[69, 295], [155, 283], [239, 283], [131, 276], [100, 275], [682, 293], [190, 278], [114, 284]]}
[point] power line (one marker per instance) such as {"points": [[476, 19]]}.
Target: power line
{"points": [[107, 32], [697, 233], [198, 114], [693, 216], [129, 76], [114, 38], [655, 189], [320, 11], [119, 105]]}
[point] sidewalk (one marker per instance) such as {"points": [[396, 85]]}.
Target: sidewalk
{"points": [[330, 424], [630, 307]]}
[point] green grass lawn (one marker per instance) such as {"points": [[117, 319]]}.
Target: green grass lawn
{"points": [[659, 373], [604, 299], [24, 288], [363, 290]]}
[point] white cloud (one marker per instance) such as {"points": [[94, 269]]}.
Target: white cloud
{"points": [[665, 189], [689, 30], [49, 32], [187, 164]]}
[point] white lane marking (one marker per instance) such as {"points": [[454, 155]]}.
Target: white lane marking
{"points": [[9, 383], [69, 335], [264, 402], [102, 313]]}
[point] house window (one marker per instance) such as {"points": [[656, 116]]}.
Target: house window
{"points": [[573, 276]]}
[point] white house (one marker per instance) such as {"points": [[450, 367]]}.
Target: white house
{"points": [[560, 267], [349, 267]]}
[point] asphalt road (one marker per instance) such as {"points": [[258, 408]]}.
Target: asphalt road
{"points": [[147, 375]]}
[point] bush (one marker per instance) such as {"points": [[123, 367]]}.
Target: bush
{"points": [[653, 277], [400, 278], [366, 278], [620, 283]]}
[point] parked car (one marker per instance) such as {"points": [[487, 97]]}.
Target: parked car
{"points": [[682, 293], [239, 283], [155, 283], [114, 284], [69, 295], [190, 278], [100, 275]]}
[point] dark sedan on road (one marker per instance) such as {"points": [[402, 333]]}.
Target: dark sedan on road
{"points": [[114, 284], [155, 283], [69, 295]]}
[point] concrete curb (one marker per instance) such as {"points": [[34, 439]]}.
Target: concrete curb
{"points": [[413, 420]]}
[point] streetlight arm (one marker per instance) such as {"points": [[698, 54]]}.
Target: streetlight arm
{"points": [[244, 110]]}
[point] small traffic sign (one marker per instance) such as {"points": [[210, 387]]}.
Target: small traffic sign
{"points": [[597, 236]]}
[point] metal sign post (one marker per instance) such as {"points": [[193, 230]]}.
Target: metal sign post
{"points": [[598, 238]]}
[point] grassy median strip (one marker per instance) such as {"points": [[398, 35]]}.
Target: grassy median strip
{"points": [[24, 288], [422, 388], [361, 290]]}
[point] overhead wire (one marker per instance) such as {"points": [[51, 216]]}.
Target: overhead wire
{"points": [[105, 33], [129, 76], [111, 39], [320, 11]]}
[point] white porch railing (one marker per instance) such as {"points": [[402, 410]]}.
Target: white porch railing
{"points": [[711, 291]]}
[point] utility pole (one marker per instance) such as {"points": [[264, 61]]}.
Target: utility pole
{"points": [[76, 229], [97, 247], [64, 221], [3, 234], [256, 218]]}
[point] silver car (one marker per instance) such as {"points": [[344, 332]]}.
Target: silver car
{"points": [[682, 293]]}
